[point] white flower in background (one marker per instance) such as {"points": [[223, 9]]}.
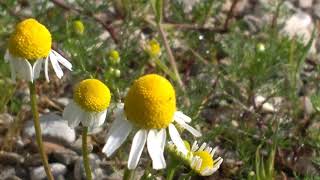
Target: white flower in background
{"points": [[29, 47], [149, 108], [91, 98]]}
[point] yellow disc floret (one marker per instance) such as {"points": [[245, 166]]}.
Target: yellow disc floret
{"points": [[114, 56], [154, 48], [150, 102], [30, 40], [207, 161], [92, 95], [78, 27]]}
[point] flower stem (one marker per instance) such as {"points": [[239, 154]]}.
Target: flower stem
{"points": [[85, 153], [36, 121], [128, 174], [170, 174], [170, 56]]}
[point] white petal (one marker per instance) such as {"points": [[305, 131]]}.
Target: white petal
{"points": [[102, 117], [217, 162], [37, 69], [97, 119], [118, 133], [199, 163], [207, 172], [193, 162], [46, 71], [23, 69], [182, 116], [137, 146], [62, 60], [202, 146], [176, 139], [13, 70], [73, 113], [56, 67], [208, 149], [213, 151], [192, 130], [194, 146], [155, 144], [7, 56]]}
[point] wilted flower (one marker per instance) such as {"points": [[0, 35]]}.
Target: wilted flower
{"points": [[29, 47], [150, 106], [91, 98]]}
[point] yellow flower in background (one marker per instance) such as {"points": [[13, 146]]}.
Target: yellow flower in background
{"points": [[91, 98], [150, 107], [202, 160], [78, 27], [153, 48], [28, 48], [114, 57]]}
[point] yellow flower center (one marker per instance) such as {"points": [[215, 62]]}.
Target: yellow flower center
{"points": [[92, 95], [30, 40], [154, 48], [207, 161], [150, 102]]}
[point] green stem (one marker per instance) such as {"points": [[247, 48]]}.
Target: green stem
{"points": [[37, 128], [85, 153], [170, 56], [170, 174], [128, 174]]}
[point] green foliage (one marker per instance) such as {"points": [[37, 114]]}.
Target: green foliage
{"points": [[265, 168]]}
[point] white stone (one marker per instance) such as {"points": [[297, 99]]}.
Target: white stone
{"points": [[53, 127], [39, 173], [305, 3], [300, 26], [266, 107]]}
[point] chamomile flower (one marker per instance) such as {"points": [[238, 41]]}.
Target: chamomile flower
{"points": [[91, 98], [29, 48], [150, 108], [202, 160]]}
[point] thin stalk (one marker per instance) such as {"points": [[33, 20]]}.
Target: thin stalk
{"points": [[170, 174], [128, 174], [170, 56], [85, 153], [37, 128], [164, 68]]}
